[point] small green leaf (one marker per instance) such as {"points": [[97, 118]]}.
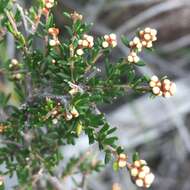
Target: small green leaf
{"points": [[136, 156], [125, 40], [115, 166], [66, 14], [140, 63], [108, 157]]}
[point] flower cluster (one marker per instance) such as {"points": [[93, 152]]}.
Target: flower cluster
{"points": [[141, 174], [145, 39], [14, 66], [133, 57], [109, 41], [54, 32], [86, 42], [74, 89], [73, 113], [76, 16], [136, 44], [148, 36], [163, 87], [57, 112], [48, 5], [122, 160]]}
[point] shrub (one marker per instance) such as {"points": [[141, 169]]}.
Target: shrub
{"points": [[59, 88]]}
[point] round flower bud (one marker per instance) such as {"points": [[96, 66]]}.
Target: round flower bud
{"points": [[14, 62], [52, 43], [154, 78], [85, 43], [53, 31], [149, 178], [55, 121], [17, 76], [68, 116], [152, 84], [146, 169], [134, 172], [139, 182], [137, 163], [114, 44], [113, 36], [173, 88], [105, 44], [53, 61], [80, 52], [74, 112], [143, 162], [156, 90], [141, 174]]}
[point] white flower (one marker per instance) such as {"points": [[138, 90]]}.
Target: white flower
{"points": [[54, 42], [134, 172], [80, 52], [133, 58], [105, 44], [55, 121], [109, 40], [139, 182], [147, 37], [149, 178], [14, 61]]}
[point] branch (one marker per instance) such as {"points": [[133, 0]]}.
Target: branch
{"points": [[55, 182], [9, 142], [177, 44], [12, 21], [149, 13]]}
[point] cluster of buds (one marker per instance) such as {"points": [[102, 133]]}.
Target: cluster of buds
{"points": [[122, 160], [76, 16], [141, 174], [163, 87], [145, 38], [74, 89], [54, 32], [109, 41], [73, 113], [14, 66], [86, 42], [136, 44], [48, 5], [133, 57], [55, 113], [148, 36]]}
